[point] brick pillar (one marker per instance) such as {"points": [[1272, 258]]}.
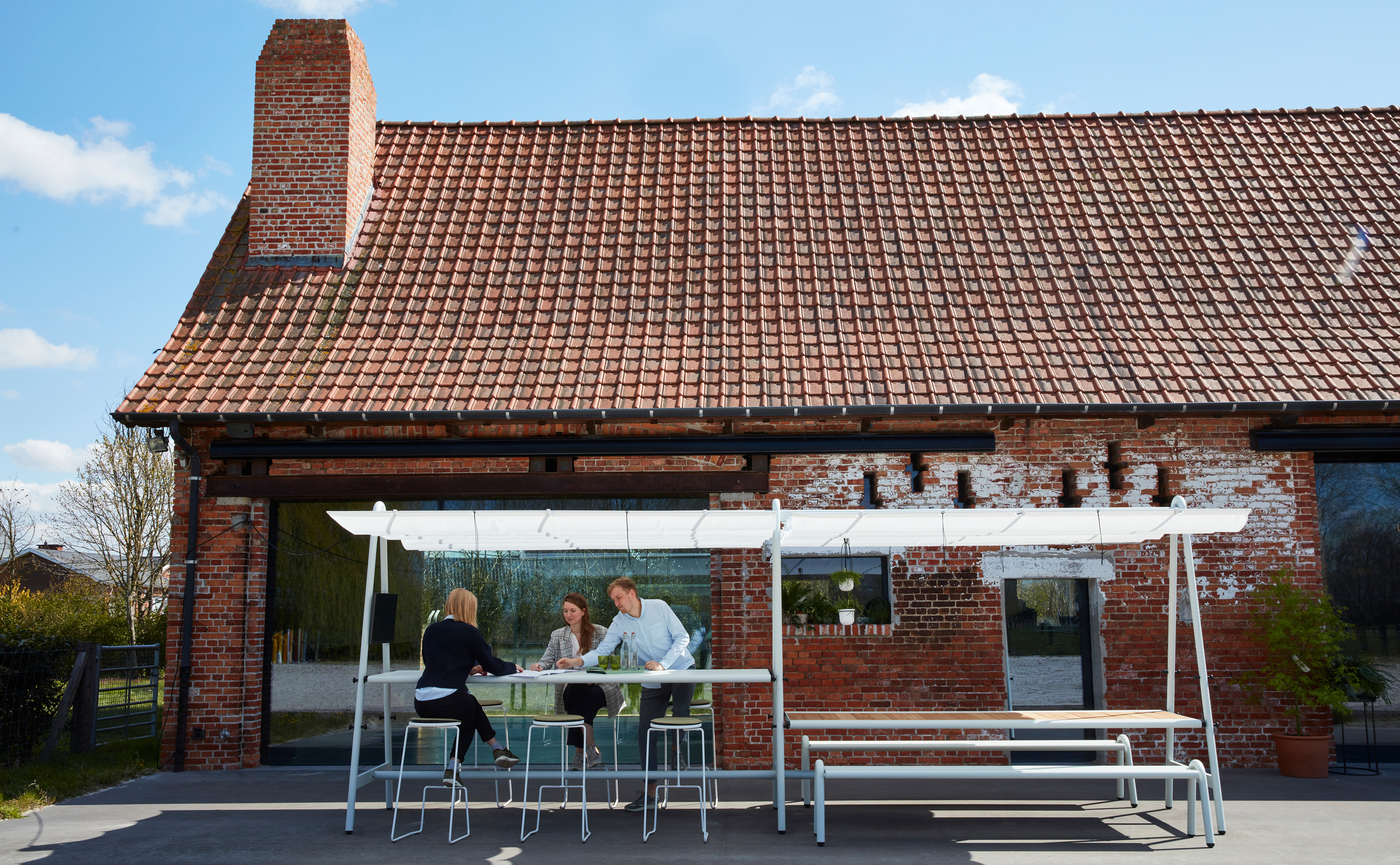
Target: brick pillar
{"points": [[313, 145], [226, 694]]}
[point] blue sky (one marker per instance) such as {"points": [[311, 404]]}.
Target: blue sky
{"points": [[125, 129]]}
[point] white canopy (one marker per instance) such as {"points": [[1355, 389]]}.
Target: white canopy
{"points": [[731, 529]]}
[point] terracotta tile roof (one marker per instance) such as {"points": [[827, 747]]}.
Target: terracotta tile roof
{"points": [[736, 262]]}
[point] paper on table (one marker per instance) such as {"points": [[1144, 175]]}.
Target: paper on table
{"points": [[535, 674]]}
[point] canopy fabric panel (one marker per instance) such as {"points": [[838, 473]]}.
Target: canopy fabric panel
{"points": [[747, 529]]}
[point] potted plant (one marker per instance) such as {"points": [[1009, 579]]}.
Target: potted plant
{"points": [[1357, 674], [846, 605], [795, 599], [846, 581], [1302, 635]]}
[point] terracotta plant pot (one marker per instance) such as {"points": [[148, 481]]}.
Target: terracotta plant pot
{"points": [[1302, 756]]}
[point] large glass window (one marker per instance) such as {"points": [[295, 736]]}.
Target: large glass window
{"points": [[317, 603], [1358, 508]]}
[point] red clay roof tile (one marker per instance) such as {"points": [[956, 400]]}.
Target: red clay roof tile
{"points": [[655, 264]]}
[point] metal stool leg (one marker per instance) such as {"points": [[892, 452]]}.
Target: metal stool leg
{"points": [[585, 832], [453, 789]]}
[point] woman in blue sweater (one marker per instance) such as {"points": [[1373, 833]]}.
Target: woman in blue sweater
{"points": [[454, 649]]}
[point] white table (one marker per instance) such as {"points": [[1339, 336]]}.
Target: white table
{"points": [[387, 771]]}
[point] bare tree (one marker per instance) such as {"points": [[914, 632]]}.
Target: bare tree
{"points": [[118, 511], [16, 527]]}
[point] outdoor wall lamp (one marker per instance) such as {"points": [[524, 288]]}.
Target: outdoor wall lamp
{"points": [[156, 442]]}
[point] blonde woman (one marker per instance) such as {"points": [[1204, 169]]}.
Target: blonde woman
{"points": [[577, 636], [454, 649]]}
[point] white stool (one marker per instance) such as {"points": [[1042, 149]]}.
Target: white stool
{"points": [[547, 723], [444, 724], [675, 725], [487, 706]]}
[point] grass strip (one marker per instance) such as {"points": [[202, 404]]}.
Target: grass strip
{"points": [[34, 785]]}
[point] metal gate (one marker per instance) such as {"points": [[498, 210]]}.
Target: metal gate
{"points": [[128, 692]]}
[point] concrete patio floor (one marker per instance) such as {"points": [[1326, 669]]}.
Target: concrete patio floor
{"points": [[296, 815]]}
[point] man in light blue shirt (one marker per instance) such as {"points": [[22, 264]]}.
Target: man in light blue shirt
{"points": [[661, 642]]}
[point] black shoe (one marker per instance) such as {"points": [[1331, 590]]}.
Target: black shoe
{"points": [[504, 758], [449, 776], [641, 803]]}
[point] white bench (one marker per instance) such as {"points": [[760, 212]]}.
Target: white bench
{"points": [[1120, 746], [1194, 774]]}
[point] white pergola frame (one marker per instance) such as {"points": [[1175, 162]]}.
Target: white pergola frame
{"points": [[746, 529]]}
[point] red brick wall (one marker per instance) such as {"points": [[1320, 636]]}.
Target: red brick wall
{"points": [[313, 140], [944, 650], [230, 613]]}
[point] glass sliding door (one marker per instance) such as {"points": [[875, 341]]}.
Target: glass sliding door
{"points": [[316, 601]]}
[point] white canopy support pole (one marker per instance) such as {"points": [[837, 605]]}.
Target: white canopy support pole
{"points": [[1171, 658], [388, 718], [779, 758], [360, 684], [1206, 716]]}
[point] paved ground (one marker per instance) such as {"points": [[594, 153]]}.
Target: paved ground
{"points": [[283, 815]]}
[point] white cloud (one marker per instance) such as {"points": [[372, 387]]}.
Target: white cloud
{"points": [[59, 167], [40, 497], [110, 128], [318, 8], [21, 347], [6, 308], [810, 93], [988, 94], [46, 456], [11, 394]]}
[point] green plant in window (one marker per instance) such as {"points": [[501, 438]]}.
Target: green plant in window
{"points": [[846, 601], [796, 597], [820, 610]]}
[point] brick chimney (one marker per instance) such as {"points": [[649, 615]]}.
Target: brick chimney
{"points": [[313, 145]]}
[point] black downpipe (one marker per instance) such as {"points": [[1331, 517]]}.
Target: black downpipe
{"points": [[191, 586]]}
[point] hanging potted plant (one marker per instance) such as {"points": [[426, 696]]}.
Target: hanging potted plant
{"points": [[846, 581], [1302, 635]]}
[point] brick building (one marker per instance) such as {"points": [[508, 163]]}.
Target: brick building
{"points": [[1024, 311]]}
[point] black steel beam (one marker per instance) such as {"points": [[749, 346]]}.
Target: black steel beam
{"points": [[1331, 440], [448, 486], [598, 446]]}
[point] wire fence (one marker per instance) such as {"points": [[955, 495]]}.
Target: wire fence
{"points": [[33, 674]]}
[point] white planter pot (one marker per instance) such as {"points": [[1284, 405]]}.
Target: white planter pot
{"points": [[847, 617]]}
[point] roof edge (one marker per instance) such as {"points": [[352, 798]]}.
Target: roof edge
{"points": [[946, 118], [160, 419]]}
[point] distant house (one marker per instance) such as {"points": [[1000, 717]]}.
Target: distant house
{"points": [[48, 567]]}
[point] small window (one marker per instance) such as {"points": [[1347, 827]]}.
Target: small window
{"points": [[821, 596], [870, 496]]}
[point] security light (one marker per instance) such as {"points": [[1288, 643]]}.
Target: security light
{"points": [[156, 442]]}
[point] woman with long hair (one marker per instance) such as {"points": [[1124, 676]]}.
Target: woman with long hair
{"points": [[578, 635], [454, 649]]}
